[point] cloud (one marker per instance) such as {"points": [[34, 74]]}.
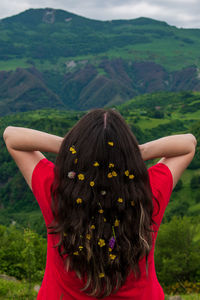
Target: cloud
{"points": [[181, 13]]}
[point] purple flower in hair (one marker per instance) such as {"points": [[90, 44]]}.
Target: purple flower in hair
{"points": [[112, 242]]}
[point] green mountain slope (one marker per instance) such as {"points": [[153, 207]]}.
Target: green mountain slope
{"points": [[149, 117], [73, 62]]}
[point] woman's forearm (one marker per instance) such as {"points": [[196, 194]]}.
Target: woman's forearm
{"points": [[169, 146], [25, 139]]}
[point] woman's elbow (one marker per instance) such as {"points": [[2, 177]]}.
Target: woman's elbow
{"points": [[7, 132], [193, 139]]}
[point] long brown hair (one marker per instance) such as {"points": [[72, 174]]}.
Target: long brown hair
{"points": [[102, 202]]}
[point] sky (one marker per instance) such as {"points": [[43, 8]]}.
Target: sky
{"points": [[180, 13]]}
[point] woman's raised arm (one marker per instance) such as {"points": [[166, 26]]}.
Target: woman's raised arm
{"points": [[176, 151], [25, 146], [24, 139]]}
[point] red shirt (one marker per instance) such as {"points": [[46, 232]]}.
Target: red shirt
{"points": [[60, 284]]}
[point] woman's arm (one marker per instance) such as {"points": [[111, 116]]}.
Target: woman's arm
{"points": [[176, 151], [24, 139], [25, 146]]}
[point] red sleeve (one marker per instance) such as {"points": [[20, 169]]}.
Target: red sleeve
{"points": [[42, 178], [161, 182]]}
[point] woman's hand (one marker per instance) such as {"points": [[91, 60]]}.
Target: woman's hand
{"points": [[176, 152]]}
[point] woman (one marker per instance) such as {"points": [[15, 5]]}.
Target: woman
{"points": [[101, 206]]}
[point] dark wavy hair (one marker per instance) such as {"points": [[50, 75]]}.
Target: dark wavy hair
{"points": [[95, 200]]}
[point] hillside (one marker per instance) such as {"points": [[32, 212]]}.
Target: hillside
{"points": [[146, 120], [52, 58]]}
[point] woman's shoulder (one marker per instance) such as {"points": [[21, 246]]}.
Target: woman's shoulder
{"points": [[160, 172]]}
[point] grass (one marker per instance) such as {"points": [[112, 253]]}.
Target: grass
{"points": [[12, 290], [13, 64], [149, 123], [16, 290], [187, 297]]}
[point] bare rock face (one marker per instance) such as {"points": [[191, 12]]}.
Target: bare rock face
{"points": [[175, 298], [49, 16]]}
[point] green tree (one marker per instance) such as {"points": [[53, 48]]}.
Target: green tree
{"points": [[177, 255]]}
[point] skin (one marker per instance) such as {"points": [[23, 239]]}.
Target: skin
{"points": [[26, 147]]}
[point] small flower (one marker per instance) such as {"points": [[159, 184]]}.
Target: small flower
{"points": [[101, 275], [110, 175], [79, 200], [71, 174], [76, 253], [95, 164], [131, 176], [76, 160], [101, 211], [88, 236], [92, 183], [126, 172], [116, 224], [114, 174], [103, 193], [112, 243], [101, 242], [120, 200], [81, 248], [72, 149], [110, 249], [104, 219], [112, 256], [132, 203], [81, 176], [92, 227], [111, 165], [111, 144]]}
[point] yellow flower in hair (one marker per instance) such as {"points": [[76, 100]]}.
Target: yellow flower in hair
{"points": [[81, 177], [88, 236], [111, 165], [95, 164], [120, 200], [92, 183], [110, 249], [111, 144], [92, 227], [114, 174], [126, 172], [101, 242], [116, 224], [101, 211], [80, 247], [79, 200], [72, 149], [132, 203], [112, 256], [131, 176], [76, 253], [101, 275], [110, 175]]}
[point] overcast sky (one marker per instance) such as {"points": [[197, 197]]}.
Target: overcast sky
{"points": [[181, 13]]}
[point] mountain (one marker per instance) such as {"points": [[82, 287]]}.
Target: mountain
{"points": [[52, 58]]}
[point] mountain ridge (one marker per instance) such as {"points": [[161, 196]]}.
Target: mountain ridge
{"points": [[80, 63], [140, 20]]}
